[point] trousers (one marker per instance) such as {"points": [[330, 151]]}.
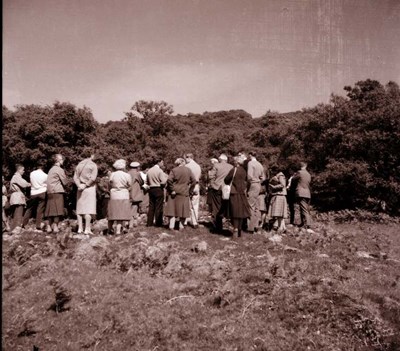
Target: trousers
{"points": [[156, 204], [255, 214]]}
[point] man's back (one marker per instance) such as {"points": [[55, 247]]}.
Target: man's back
{"points": [[221, 171], [303, 179], [156, 177]]}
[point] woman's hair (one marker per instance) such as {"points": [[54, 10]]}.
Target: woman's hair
{"points": [[238, 160], [18, 166], [56, 158], [179, 161], [87, 152]]}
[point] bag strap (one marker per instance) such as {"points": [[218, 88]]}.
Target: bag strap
{"points": [[234, 172]]}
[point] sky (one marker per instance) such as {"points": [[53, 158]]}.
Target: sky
{"points": [[197, 55]]}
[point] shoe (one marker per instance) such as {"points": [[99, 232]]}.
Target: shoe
{"points": [[196, 226], [88, 232]]}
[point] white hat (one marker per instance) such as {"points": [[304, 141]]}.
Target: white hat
{"points": [[134, 164], [223, 157], [214, 160], [119, 164]]}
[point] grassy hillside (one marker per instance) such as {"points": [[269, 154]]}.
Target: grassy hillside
{"points": [[155, 289]]}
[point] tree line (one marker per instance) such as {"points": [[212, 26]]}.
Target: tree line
{"points": [[352, 143]]}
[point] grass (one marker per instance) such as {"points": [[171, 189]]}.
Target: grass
{"points": [[150, 291]]}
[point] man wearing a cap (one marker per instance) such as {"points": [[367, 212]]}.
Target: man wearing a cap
{"points": [[217, 176], [136, 192], [195, 198]]}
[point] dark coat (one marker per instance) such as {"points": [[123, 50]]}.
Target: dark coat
{"points": [[302, 179], [238, 203]]}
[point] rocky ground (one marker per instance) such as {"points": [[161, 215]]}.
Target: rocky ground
{"points": [[155, 289]]}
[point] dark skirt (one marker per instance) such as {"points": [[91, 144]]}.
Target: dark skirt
{"points": [[238, 206], [119, 210], [179, 206], [54, 205]]}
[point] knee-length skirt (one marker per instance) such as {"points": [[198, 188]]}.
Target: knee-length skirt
{"points": [[54, 205], [238, 206], [86, 201], [278, 207], [179, 206], [119, 206]]}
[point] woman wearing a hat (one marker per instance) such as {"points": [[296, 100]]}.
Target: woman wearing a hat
{"points": [[119, 206]]}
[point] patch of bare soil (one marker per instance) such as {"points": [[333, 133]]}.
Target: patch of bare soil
{"points": [[154, 289]]}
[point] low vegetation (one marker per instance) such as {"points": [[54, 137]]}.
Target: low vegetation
{"points": [[155, 289]]}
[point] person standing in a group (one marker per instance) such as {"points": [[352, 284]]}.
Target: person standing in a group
{"points": [[195, 196], [277, 210], [56, 181], [217, 176], [255, 175], [239, 208], [37, 201], [156, 180], [210, 175], [18, 198], [119, 206], [85, 179], [291, 196], [180, 183], [137, 193], [302, 180]]}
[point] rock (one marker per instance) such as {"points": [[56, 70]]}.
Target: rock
{"points": [[364, 254], [100, 226], [291, 249], [165, 236], [174, 264], [200, 247], [92, 249], [275, 239], [322, 255], [155, 256], [143, 233]]}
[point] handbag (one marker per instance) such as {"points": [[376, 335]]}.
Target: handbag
{"points": [[226, 189]]}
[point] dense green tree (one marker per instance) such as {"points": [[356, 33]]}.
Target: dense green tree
{"points": [[351, 144]]}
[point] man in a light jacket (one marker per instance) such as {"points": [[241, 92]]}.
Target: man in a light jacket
{"points": [[18, 198]]}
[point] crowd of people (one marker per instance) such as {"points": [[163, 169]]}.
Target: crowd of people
{"points": [[240, 192]]}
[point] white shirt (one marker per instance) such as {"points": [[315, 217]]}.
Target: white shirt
{"points": [[195, 168], [38, 182]]}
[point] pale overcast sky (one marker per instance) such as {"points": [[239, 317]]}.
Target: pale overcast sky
{"points": [[198, 55]]}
